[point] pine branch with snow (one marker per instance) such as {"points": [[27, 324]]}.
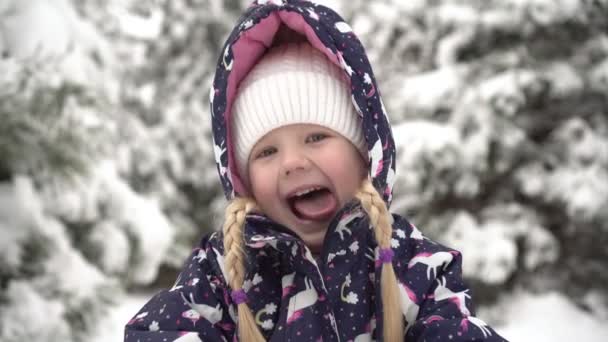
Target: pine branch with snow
{"points": [[499, 112]]}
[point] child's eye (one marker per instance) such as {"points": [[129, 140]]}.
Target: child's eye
{"points": [[316, 137], [265, 152]]}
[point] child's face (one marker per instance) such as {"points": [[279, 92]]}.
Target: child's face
{"points": [[292, 160]]}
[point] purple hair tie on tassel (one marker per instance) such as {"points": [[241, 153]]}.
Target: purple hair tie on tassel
{"points": [[386, 255], [239, 296]]}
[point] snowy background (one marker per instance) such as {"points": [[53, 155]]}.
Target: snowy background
{"points": [[107, 179]]}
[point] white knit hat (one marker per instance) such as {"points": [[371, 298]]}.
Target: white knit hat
{"points": [[292, 83]]}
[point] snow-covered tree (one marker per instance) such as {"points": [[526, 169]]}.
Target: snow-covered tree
{"points": [[51, 124], [502, 126], [107, 176], [111, 149]]}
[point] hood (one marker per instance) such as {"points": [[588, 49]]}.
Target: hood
{"points": [[326, 31]]}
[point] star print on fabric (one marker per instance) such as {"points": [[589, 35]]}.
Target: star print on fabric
{"points": [[354, 247], [400, 233]]}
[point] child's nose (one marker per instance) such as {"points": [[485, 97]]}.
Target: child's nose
{"points": [[294, 162]]}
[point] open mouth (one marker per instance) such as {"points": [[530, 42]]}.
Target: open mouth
{"points": [[315, 203]]}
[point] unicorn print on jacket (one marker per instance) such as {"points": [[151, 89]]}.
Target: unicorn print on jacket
{"points": [[211, 314], [301, 300], [432, 261]]}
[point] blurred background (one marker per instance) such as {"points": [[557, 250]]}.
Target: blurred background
{"points": [[107, 177]]}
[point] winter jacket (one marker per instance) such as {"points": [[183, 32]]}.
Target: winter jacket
{"points": [[294, 296]]}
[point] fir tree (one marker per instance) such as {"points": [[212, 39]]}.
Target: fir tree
{"points": [[503, 134]]}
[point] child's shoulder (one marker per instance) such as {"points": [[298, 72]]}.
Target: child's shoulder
{"points": [[207, 255], [410, 240], [212, 240], [424, 264]]}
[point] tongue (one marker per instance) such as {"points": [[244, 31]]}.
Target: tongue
{"points": [[318, 206]]}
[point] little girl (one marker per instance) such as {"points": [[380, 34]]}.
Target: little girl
{"points": [[308, 250]]}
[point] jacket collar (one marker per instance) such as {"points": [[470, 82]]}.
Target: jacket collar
{"points": [[261, 232]]}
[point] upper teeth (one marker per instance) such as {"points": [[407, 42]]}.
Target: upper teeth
{"points": [[304, 192]]}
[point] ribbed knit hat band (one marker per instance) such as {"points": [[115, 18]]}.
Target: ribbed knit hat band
{"points": [[292, 83]]}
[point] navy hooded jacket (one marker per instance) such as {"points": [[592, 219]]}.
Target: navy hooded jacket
{"points": [[293, 296]]}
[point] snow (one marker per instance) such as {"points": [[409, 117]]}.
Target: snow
{"points": [[545, 317], [51, 31], [121, 214], [51, 36], [599, 76], [10, 244], [114, 247], [415, 150], [507, 89], [457, 14], [139, 27], [564, 78], [385, 11], [547, 249], [492, 245], [500, 19], [414, 134], [584, 190], [48, 30], [427, 91], [44, 322], [112, 327], [550, 317], [449, 47], [579, 181], [409, 7], [140, 216], [549, 11], [64, 273], [68, 272], [488, 254]]}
